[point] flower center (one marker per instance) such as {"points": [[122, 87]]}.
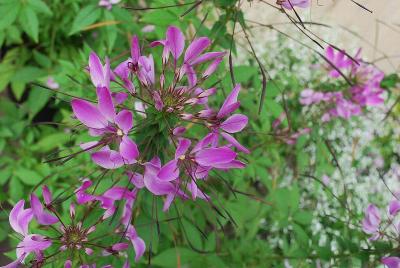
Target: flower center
{"points": [[119, 132], [74, 236]]}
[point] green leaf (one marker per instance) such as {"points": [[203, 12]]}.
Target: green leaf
{"points": [[303, 217], [159, 17], [50, 142], [28, 74], [16, 189], [6, 72], [172, 257], [111, 31], [4, 176], [18, 89], [37, 99], [84, 18], [40, 7], [8, 14], [28, 177], [42, 59], [30, 23], [301, 236]]}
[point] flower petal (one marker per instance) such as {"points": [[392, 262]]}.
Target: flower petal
{"points": [[182, 148], [169, 171], [96, 70], [230, 103], [175, 41], [46, 195], [88, 114], [235, 143], [213, 156], [128, 150], [235, 123], [124, 121], [207, 57], [13, 217], [391, 262], [108, 159], [41, 216], [394, 207], [106, 105], [135, 49], [195, 48]]}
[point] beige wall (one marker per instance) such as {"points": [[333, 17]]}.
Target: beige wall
{"points": [[381, 29]]}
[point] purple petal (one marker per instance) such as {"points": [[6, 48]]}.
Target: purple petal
{"points": [[178, 131], [182, 148], [124, 121], [158, 101], [106, 105], [146, 72], [119, 97], [234, 123], [139, 247], [108, 159], [13, 217], [192, 187], [135, 49], [46, 195], [155, 161], [195, 48], [169, 171], [128, 150], [81, 196], [175, 41], [42, 217], [32, 243], [191, 75], [391, 262], [120, 246], [212, 67], [17, 262], [235, 143], [213, 156], [136, 179], [204, 142], [168, 201], [230, 103], [96, 70], [232, 164], [88, 114], [68, 264], [153, 184], [122, 70], [127, 212], [24, 218], [119, 193], [394, 207], [207, 57]]}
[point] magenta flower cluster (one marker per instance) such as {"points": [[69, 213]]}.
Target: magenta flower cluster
{"points": [[373, 225], [365, 91], [167, 103]]}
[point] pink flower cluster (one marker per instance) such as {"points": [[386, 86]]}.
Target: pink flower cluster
{"points": [[372, 224], [74, 235], [166, 104], [366, 90]]}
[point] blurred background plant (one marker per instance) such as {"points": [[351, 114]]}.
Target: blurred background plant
{"points": [[301, 199]]}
